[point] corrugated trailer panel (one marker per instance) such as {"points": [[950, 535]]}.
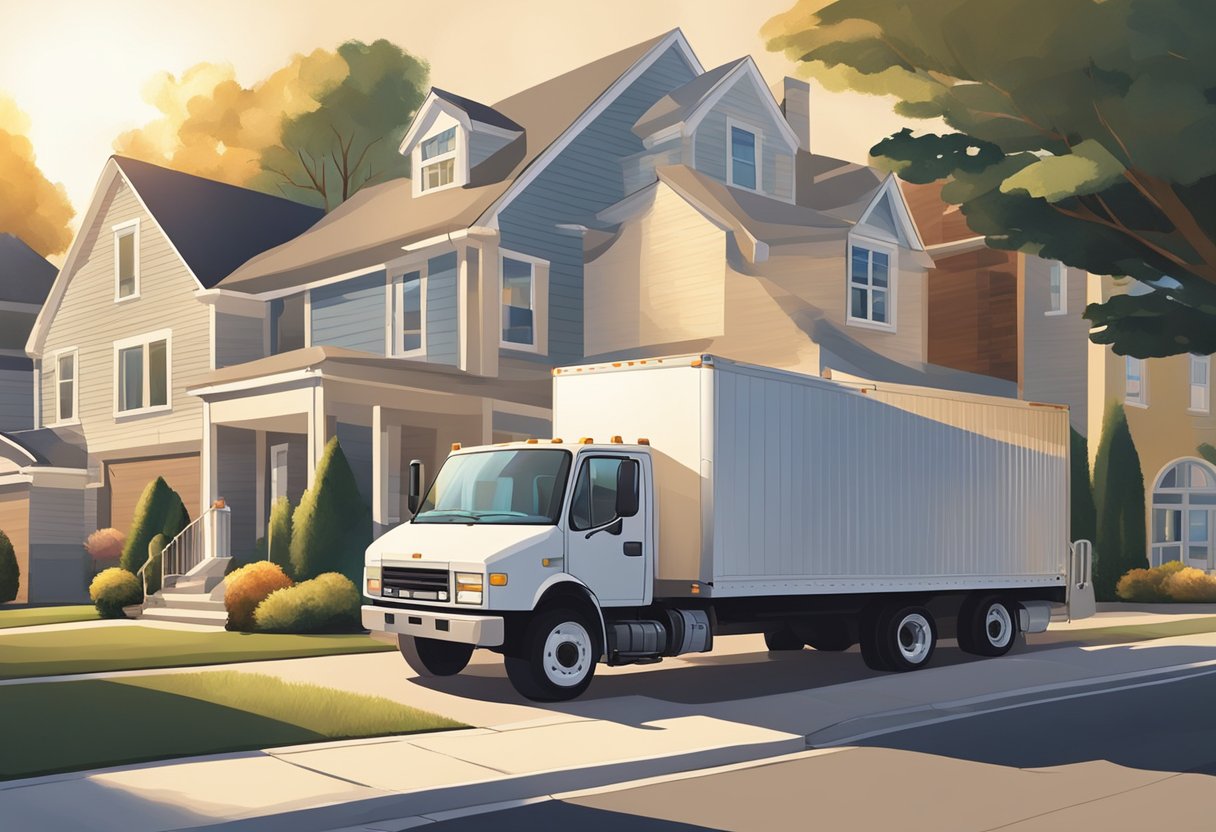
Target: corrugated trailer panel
{"points": [[825, 487]]}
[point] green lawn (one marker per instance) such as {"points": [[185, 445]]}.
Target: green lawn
{"points": [[92, 650], [1128, 632], [69, 726], [46, 615]]}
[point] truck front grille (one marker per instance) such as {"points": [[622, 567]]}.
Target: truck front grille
{"points": [[412, 582]]}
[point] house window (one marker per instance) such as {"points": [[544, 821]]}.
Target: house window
{"points": [[518, 303], [1184, 514], [1201, 369], [1057, 290], [869, 285], [1134, 386], [411, 322], [439, 160], [142, 373], [126, 260], [65, 387], [743, 146]]}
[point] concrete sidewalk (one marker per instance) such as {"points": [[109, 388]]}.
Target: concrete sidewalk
{"points": [[587, 744]]}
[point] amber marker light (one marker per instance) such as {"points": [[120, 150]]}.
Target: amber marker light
{"points": [[416, 555], [696, 589], [455, 446], [498, 579]]}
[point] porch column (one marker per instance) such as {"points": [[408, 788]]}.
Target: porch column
{"points": [[209, 459], [379, 474], [318, 430], [259, 468]]}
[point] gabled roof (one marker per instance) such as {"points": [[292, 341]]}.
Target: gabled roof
{"points": [[939, 223], [477, 111], [25, 276], [839, 188], [372, 227], [214, 226], [681, 102]]}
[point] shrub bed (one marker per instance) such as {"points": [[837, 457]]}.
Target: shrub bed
{"points": [[1169, 582], [328, 603], [247, 587], [113, 589]]}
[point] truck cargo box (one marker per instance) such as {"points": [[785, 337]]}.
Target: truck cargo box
{"points": [[775, 483]]}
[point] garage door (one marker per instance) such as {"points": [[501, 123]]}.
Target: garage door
{"points": [[128, 479], [15, 522]]}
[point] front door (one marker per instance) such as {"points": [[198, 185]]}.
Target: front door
{"points": [[607, 552], [278, 473]]}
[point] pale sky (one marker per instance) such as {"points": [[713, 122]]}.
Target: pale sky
{"points": [[78, 67]]}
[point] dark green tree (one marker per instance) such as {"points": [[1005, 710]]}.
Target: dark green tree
{"points": [[1078, 131], [1084, 513], [159, 511], [1119, 493], [10, 572], [279, 534], [350, 141], [152, 574], [331, 527]]}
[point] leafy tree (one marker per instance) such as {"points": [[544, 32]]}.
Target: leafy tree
{"points": [[1119, 493], [32, 207], [331, 527], [1079, 131], [1084, 513], [350, 141], [279, 534], [10, 572], [159, 511]]}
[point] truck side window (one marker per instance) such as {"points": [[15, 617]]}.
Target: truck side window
{"points": [[594, 502]]}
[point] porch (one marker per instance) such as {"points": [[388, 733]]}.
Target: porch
{"points": [[266, 424]]}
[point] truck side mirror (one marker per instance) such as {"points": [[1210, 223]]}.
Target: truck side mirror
{"points": [[414, 499], [627, 488]]}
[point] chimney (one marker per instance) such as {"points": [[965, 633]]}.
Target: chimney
{"points": [[796, 104]]}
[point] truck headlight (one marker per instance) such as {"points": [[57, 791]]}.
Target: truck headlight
{"points": [[372, 579], [468, 588]]}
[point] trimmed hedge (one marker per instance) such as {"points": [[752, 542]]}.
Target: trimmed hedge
{"points": [[152, 574], [113, 589], [10, 572], [326, 604], [331, 527], [1121, 539], [278, 534], [160, 511], [1171, 581], [247, 587]]}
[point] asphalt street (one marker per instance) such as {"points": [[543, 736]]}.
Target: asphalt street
{"points": [[1133, 759]]}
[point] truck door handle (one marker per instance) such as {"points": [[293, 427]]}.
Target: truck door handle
{"points": [[632, 548]]}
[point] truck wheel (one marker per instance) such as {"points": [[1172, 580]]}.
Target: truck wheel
{"points": [[905, 637], [867, 625], [430, 657], [987, 626], [782, 640], [556, 658], [830, 636]]}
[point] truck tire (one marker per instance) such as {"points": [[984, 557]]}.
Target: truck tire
{"points": [[987, 626], [867, 631], [905, 637], [782, 640], [555, 660], [430, 657], [831, 636]]}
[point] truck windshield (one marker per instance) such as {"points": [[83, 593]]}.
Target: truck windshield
{"points": [[515, 487]]}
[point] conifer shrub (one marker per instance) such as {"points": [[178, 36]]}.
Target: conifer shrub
{"points": [[331, 527], [278, 535], [159, 511], [10, 571]]}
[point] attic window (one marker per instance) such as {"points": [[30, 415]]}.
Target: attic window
{"points": [[126, 260], [439, 157]]}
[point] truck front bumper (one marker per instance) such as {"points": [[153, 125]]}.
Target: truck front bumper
{"points": [[481, 630]]}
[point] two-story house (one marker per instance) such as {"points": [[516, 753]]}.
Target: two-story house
{"points": [[122, 334], [25, 281], [1168, 404]]}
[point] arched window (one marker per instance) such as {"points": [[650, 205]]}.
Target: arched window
{"points": [[1184, 514]]}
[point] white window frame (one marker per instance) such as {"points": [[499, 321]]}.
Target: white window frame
{"points": [[1140, 399], [892, 252], [122, 229], [534, 262], [732, 123], [397, 324], [1057, 269], [144, 340], [1204, 389], [456, 154], [55, 356]]}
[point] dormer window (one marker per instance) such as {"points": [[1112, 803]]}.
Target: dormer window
{"points": [[743, 155], [439, 160]]}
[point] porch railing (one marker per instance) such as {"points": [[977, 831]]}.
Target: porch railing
{"points": [[208, 536]]}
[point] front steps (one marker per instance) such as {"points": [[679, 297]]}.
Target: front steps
{"points": [[196, 598]]}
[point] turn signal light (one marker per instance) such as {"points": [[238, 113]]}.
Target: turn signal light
{"points": [[498, 579], [373, 586]]}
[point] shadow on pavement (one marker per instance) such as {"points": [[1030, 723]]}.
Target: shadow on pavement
{"points": [[558, 815]]}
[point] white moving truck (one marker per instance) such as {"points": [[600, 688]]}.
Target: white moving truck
{"points": [[691, 497]]}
